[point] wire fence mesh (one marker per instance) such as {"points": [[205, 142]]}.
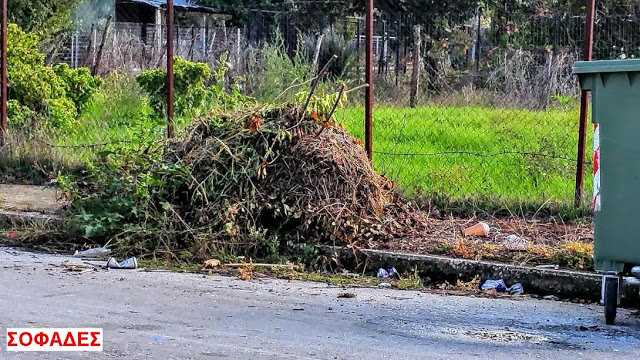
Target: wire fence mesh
{"points": [[496, 119]]}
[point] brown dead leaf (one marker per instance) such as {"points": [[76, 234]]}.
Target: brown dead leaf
{"points": [[327, 124], [254, 123], [77, 267], [314, 116], [246, 272], [262, 170], [212, 264]]}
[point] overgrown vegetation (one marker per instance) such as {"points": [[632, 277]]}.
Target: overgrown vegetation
{"points": [[41, 94], [254, 183], [256, 180]]}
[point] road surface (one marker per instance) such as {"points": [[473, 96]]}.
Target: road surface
{"points": [[163, 315]]}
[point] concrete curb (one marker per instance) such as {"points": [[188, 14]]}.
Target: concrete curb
{"points": [[20, 218], [432, 268]]}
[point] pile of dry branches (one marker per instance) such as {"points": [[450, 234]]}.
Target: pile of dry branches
{"points": [[260, 181]]}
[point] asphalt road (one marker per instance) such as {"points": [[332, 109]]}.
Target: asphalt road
{"points": [[163, 315]]}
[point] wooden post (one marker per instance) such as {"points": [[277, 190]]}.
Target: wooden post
{"points": [[415, 76], [170, 126], [368, 95], [587, 54], [96, 66], [88, 53], [316, 53]]}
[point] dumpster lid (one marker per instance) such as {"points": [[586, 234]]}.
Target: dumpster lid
{"points": [[606, 66]]}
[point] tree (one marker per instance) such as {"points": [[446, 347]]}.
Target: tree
{"points": [[50, 20], [46, 18]]}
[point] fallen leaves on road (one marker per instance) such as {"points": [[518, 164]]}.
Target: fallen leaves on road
{"points": [[246, 272], [212, 264]]}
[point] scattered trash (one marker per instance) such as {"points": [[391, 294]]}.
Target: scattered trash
{"points": [[479, 229], [500, 286], [212, 264], [93, 253], [130, 263], [12, 235], [515, 243], [382, 273], [592, 328], [551, 297], [157, 339], [516, 289], [497, 285], [347, 295], [548, 266], [79, 269], [391, 273], [384, 285]]}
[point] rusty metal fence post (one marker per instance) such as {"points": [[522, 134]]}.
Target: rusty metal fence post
{"points": [[584, 105], [170, 124], [368, 95], [3, 74]]}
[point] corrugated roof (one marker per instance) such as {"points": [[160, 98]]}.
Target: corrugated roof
{"points": [[184, 4]]}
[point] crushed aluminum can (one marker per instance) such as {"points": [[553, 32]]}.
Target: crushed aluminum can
{"points": [[130, 263], [497, 285], [382, 273], [516, 289], [93, 253]]}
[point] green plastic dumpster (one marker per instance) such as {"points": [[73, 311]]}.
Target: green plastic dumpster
{"points": [[615, 109]]}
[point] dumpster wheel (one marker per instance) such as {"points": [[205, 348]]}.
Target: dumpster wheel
{"points": [[611, 289]]}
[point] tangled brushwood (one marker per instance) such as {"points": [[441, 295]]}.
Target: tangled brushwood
{"points": [[251, 183]]}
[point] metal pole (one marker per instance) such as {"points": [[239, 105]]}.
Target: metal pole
{"points": [[170, 126], [368, 95], [584, 105], [478, 40], [3, 75]]}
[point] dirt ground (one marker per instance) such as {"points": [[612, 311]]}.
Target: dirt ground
{"points": [[515, 240], [30, 198], [410, 230]]}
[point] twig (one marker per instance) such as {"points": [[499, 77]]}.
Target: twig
{"points": [[335, 105], [333, 110], [314, 84], [96, 66], [269, 266]]}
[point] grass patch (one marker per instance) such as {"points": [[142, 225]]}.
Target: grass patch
{"points": [[494, 157]]}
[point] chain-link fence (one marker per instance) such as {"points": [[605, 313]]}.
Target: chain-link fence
{"points": [[496, 121], [496, 113]]}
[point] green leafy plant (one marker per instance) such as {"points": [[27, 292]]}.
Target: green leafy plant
{"points": [[39, 93], [190, 86], [78, 83]]}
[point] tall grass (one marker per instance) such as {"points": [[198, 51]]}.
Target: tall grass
{"points": [[500, 157]]}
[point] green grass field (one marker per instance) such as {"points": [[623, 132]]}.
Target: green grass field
{"points": [[509, 157]]}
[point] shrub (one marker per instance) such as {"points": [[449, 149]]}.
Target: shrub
{"points": [[334, 44], [61, 113], [79, 85], [191, 89], [38, 92], [189, 85], [281, 70]]}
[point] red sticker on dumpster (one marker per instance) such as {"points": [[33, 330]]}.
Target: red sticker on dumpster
{"points": [[596, 168]]}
